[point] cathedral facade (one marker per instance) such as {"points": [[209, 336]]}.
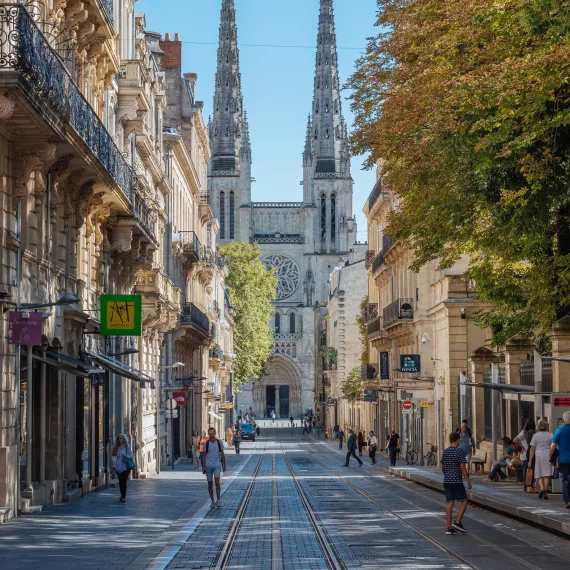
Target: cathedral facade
{"points": [[302, 240]]}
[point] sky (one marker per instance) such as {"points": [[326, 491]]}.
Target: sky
{"points": [[277, 82]]}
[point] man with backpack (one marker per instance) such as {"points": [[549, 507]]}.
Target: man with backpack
{"points": [[213, 461]]}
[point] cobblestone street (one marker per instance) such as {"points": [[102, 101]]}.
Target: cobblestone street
{"points": [[287, 503]]}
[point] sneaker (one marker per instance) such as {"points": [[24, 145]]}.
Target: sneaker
{"points": [[219, 504], [459, 527], [212, 505], [450, 530], [360, 464]]}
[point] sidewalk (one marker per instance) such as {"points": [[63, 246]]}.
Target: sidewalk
{"points": [[505, 498]]}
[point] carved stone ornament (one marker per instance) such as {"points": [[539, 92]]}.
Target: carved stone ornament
{"points": [[27, 161], [6, 106]]}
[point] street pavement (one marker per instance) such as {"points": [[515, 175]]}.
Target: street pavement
{"points": [[363, 517]]}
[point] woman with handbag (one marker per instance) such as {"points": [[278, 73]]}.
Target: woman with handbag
{"points": [[123, 463], [372, 447]]}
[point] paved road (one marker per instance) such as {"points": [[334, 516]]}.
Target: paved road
{"points": [[288, 504]]}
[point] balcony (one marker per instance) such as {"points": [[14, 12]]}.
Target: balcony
{"points": [[156, 287], [205, 207], [193, 317], [38, 78], [191, 247], [380, 259], [377, 192], [370, 312], [400, 310], [375, 329]]}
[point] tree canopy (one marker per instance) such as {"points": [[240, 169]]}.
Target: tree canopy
{"points": [[363, 330], [467, 104], [252, 288], [352, 386]]}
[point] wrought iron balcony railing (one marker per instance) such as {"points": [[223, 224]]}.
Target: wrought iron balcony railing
{"points": [[192, 315], [145, 214], [402, 309], [25, 49], [191, 245], [370, 312], [380, 259], [108, 8], [377, 192], [217, 352]]}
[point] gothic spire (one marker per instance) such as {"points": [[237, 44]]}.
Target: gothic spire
{"points": [[328, 131], [246, 141], [228, 100], [308, 153]]}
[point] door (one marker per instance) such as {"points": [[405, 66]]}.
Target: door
{"points": [[284, 401], [269, 400]]}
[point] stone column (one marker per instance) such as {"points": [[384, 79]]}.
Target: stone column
{"points": [[277, 410], [560, 337]]}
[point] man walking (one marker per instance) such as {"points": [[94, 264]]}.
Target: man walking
{"points": [[351, 446], [213, 461], [393, 441], [292, 420], [340, 438], [237, 441], [562, 440], [454, 467]]}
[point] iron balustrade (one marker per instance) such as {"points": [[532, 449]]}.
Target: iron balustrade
{"points": [[190, 243], [192, 315], [205, 198], [108, 9], [402, 309], [370, 312], [375, 194], [145, 214], [380, 259], [217, 352], [24, 48], [375, 326], [526, 372]]}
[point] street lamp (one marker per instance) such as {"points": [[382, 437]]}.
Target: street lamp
{"points": [[125, 352], [171, 366], [167, 367]]}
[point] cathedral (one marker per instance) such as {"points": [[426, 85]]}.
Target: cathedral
{"points": [[304, 241]]}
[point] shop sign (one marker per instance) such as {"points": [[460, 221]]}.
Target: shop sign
{"points": [[370, 395], [410, 363], [384, 366], [180, 398], [25, 328], [121, 315]]}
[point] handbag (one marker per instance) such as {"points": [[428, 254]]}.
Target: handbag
{"points": [[129, 463], [554, 457], [529, 477]]}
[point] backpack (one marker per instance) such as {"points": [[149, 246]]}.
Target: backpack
{"points": [[219, 446]]}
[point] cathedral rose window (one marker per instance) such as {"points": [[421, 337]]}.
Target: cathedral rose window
{"points": [[286, 272]]}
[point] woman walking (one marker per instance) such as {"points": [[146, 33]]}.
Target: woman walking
{"points": [[122, 462], [540, 449], [237, 441], [360, 440], [195, 449], [372, 447]]}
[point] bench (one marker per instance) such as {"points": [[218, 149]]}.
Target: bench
{"points": [[478, 459]]}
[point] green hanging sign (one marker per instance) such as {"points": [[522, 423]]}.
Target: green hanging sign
{"points": [[121, 315]]}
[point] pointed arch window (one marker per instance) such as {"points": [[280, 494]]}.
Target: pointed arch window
{"points": [[323, 216], [292, 323], [277, 323], [222, 215], [232, 212], [333, 217]]}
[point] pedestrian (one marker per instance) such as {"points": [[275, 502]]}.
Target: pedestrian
{"points": [[257, 431], [340, 438], [372, 447], [336, 429], [123, 463], [561, 442], [351, 446], [329, 433], [540, 448], [292, 420], [213, 462], [360, 441], [272, 415], [195, 449], [305, 428], [458, 430], [497, 469], [454, 467], [203, 439], [237, 441], [393, 443], [466, 443], [523, 439]]}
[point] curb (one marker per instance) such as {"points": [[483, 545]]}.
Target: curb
{"points": [[539, 515]]}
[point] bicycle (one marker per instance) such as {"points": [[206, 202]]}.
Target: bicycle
{"points": [[411, 455], [429, 458]]}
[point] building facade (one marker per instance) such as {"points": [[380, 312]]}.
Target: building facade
{"points": [[302, 240], [101, 193]]}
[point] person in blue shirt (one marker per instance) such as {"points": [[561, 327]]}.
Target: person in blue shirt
{"points": [[351, 444], [497, 469], [561, 441]]}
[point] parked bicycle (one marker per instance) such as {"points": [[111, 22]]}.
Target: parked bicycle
{"points": [[411, 455], [429, 458]]}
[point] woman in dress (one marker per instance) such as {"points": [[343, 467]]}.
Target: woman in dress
{"points": [[360, 441], [195, 449], [121, 451], [540, 449]]}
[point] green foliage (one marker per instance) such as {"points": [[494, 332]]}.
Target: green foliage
{"points": [[468, 105], [252, 288], [352, 386], [363, 329]]}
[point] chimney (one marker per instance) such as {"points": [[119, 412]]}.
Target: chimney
{"points": [[172, 52]]}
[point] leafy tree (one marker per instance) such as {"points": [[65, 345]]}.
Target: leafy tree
{"points": [[363, 329], [352, 386], [252, 288], [468, 105]]}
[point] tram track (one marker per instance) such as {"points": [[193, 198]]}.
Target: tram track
{"points": [[438, 544]]}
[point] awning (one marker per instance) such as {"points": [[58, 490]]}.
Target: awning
{"points": [[63, 362], [121, 369], [501, 387], [215, 415]]}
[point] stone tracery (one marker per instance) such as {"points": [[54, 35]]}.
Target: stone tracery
{"points": [[286, 272]]}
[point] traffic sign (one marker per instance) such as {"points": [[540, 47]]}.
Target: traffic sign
{"points": [[171, 404], [424, 403], [407, 405]]}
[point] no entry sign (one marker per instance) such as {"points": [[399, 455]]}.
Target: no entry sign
{"points": [[407, 405]]}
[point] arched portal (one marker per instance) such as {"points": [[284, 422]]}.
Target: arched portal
{"points": [[280, 389]]}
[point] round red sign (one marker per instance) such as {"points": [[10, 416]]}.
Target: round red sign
{"points": [[407, 405]]}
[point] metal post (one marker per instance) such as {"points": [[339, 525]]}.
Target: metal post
{"points": [[43, 422], [17, 431], [29, 403], [538, 399], [494, 380]]}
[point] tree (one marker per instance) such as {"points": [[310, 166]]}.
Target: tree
{"points": [[468, 105], [252, 288], [352, 386], [363, 329]]}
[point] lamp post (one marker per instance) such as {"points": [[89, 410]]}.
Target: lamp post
{"points": [[168, 367]]}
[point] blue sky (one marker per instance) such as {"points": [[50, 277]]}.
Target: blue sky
{"points": [[277, 81]]}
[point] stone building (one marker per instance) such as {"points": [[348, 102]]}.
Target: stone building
{"points": [[302, 240], [96, 196]]}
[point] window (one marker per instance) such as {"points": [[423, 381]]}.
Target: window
{"points": [[222, 215], [277, 323], [323, 216], [333, 218], [232, 211], [292, 323]]}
